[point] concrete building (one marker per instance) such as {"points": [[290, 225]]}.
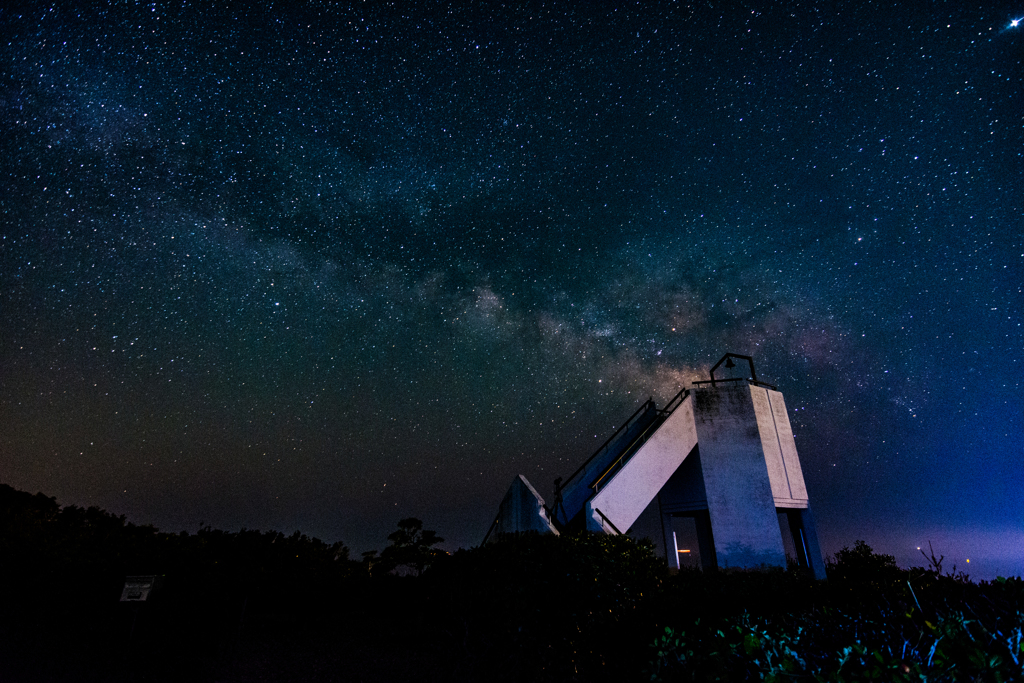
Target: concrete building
{"points": [[522, 509], [717, 467]]}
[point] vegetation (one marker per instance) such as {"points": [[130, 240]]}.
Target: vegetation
{"points": [[412, 550], [264, 606]]}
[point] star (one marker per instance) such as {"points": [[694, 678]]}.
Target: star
{"points": [[479, 252]]}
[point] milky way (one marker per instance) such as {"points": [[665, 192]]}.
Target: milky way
{"points": [[327, 266]]}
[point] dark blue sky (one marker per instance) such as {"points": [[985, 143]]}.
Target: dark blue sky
{"points": [[326, 266]]}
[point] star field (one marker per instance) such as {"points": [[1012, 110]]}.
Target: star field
{"points": [[324, 266]]}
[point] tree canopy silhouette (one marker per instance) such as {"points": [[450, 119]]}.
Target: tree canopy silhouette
{"points": [[412, 548]]}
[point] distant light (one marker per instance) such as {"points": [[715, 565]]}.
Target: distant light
{"points": [[1014, 23], [968, 560], [686, 551]]}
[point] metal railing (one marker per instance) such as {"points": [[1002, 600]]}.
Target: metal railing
{"points": [[609, 522], [648, 404], [755, 382], [636, 444], [675, 401]]}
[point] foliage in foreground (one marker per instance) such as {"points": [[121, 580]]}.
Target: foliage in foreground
{"points": [[877, 622], [838, 646], [534, 607], [264, 606]]}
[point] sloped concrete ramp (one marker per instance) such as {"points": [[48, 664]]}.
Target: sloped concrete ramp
{"points": [[625, 496]]}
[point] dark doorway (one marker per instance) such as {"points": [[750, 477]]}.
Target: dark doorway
{"points": [[793, 539], [684, 543], [688, 538]]}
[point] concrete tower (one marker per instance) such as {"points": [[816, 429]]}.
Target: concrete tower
{"points": [[720, 458]]}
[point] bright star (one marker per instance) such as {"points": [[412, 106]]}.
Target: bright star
{"points": [[1015, 22]]}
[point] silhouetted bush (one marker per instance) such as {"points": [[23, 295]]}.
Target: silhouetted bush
{"points": [[532, 607], [411, 549], [872, 621], [251, 605]]}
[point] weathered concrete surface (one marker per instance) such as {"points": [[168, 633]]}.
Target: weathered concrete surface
{"points": [[725, 456], [779, 448], [577, 491], [736, 477], [522, 509], [788, 445], [633, 487]]}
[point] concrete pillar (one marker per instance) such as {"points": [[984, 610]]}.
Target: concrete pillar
{"points": [[739, 491], [705, 541]]}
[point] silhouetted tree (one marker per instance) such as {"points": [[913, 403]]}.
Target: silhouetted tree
{"points": [[370, 561], [861, 564], [412, 547]]}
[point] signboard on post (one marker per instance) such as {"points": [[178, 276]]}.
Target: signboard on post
{"points": [[137, 588]]}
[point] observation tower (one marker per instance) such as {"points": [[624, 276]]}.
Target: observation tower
{"points": [[717, 467]]}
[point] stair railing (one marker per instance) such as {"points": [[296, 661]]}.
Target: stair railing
{"points": [[634, 447]]}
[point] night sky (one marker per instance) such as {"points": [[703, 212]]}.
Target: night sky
{"points": [[326, 266]]}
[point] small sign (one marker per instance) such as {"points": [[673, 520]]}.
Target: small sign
{"points": [[137, 588]]}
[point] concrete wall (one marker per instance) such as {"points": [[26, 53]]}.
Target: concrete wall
{"points": [[684, 491], [744, 473], [794, 473], [736, 476], [633, 487], [521, 510], [577, 491], [779, 448]]}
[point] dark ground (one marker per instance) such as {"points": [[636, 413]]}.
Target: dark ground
{"points": [[255, 606]]}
